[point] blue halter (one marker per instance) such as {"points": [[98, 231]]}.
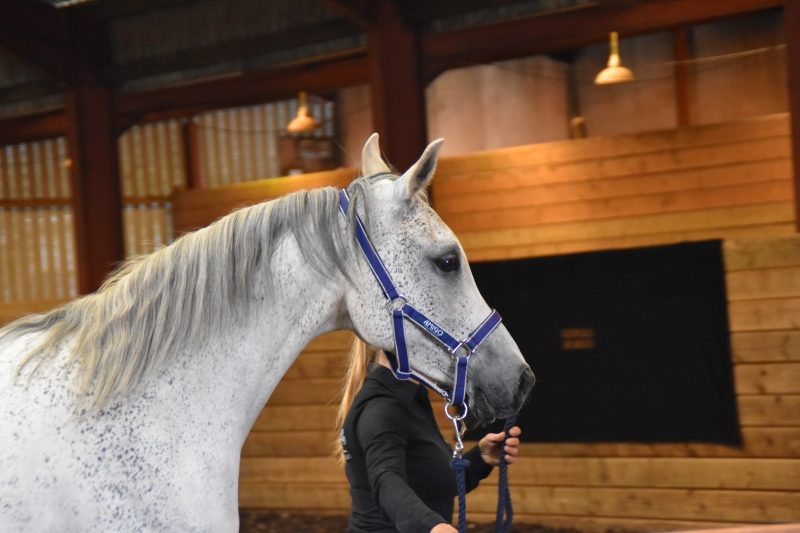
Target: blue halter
{"points": [[398, 306]]}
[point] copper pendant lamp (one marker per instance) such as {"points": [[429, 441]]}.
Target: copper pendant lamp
{"points": [[614, 71], [303, 122]]}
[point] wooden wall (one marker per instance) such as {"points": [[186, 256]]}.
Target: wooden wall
{"points": [[727, 181]]}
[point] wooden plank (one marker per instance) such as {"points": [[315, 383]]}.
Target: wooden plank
{"points": [[602, 168], [761, 315], [305, 496], [791, 17], [768, 410], [14, 310], [774, 442], [676, 504], [773, 528], [196, 208], [684, 473], [36, 127], [598, 524], [625, 241], [765, 346], [767, 378], [314, 391], [538, 188], [291, 470], [311, 365], [615, 146], [763, 283], [289, 444], [762, 253], [621, 208], [333, 341], [670, 223], [296, 418]]}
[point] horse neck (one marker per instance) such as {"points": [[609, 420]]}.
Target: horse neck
{"points": [[236, 372]]}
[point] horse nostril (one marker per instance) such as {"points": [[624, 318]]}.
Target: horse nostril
{"points": [[526, 381]]}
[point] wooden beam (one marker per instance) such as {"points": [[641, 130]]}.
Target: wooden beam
{"points": [[191, 154], [246, 89], [37, 34], [573, 29], [684, 77], [28, 90], [229, 51], [93, 151], [791, 20], [114, 8], [31, 128], [398, 100]]}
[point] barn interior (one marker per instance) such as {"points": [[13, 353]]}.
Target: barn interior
{"points": [[125, 123]]}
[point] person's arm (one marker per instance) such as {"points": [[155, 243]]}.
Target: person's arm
{"points": [[382, 431], [486, 455]]}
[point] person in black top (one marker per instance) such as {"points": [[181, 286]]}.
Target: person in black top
{"points": [[397, 461]]}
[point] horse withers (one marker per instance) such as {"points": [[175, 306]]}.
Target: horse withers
{"points": [[126, 410]]}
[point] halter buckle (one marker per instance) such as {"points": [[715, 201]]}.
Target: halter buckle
{"points": [[397, 304]]}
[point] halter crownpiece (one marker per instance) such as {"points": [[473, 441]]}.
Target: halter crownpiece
{"points": [[398, 306]]}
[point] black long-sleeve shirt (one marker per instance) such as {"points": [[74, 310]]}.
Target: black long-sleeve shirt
{"points": [[397, 461]]}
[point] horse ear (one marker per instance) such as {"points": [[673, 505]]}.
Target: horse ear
{"points": [[371, 161], [419, 175]]}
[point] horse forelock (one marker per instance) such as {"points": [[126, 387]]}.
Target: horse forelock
{"points": [[177, 297]]}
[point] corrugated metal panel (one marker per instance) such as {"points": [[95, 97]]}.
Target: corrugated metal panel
{"points": [[15, 72], [206, 23], [507, 12]]}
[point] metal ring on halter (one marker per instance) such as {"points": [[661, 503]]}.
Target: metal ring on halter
{"points": [[392, 305], [456, 416]]}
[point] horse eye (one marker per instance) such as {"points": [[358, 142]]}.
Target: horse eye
{"points": [[448, 263]]}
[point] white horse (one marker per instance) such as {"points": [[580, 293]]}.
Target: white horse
{"points": [[126, 410]]}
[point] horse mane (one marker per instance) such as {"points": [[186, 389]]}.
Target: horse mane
{"points": [[184, 293]]}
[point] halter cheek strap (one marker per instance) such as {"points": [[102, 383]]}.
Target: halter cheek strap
{"points": [[398, 306]]}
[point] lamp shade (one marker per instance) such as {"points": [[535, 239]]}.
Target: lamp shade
{"points": [[303, 122], [614, 71]]}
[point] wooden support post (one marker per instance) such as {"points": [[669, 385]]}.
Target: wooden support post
{"points": [[191, 155], [684, 77], [398, 99], [791, 11], [97, 205]]}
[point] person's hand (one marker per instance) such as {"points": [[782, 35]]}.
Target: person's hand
{"points": [[491, 443], [444, 528]]}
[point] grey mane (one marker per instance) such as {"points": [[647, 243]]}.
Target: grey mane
{"points": [[152, 305]]}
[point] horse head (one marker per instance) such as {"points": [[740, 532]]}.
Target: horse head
{"points": [[429, 266]]}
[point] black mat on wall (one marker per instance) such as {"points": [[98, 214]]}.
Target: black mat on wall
{"points": [[627, 346]]}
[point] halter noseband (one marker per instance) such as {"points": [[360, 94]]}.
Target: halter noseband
{"points": [[397, 304]]}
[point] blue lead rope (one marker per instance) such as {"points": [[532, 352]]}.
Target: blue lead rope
{"points": [[505, 511]]}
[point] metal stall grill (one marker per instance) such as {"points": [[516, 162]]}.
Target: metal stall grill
{"points": [[242, 144], [37, 260], [151, 166]]}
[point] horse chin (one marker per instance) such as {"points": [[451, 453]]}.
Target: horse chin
{"points": [[481, 407]]}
